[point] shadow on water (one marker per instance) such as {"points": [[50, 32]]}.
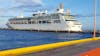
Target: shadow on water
{"points": [[10, 39]]}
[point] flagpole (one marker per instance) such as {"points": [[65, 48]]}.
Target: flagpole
{"points": [[95, 4]]}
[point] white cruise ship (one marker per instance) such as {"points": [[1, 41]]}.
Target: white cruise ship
{"points": [[42, 21]]}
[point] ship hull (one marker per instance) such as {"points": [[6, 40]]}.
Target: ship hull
{"points": [[44, 27]]}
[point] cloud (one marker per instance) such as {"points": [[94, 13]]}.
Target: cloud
{"points": [[24, 6], [87, 15], [31, 5], [21, 5], [27, 6], [29, 2]]}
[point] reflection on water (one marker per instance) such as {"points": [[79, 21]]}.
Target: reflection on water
{"points": [[13, 39]]}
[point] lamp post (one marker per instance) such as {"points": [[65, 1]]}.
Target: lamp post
{"points": [[95, 6]]}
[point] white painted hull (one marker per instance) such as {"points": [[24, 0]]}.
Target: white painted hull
{"points": [[45, 27]]}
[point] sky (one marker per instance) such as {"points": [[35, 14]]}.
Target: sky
{"points": [[83, 9]]}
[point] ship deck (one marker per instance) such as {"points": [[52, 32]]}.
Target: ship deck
{"points": [[73, 50]]}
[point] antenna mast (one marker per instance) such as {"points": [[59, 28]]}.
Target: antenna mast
{"points": [[95, 6]]}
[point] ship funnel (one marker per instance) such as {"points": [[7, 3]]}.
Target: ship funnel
{"points": [[60, 8]]}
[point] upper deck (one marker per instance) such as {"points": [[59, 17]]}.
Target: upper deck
{"points": [[47, 16]]}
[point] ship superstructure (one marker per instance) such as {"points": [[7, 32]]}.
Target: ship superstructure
{"points": [[58, 21]]}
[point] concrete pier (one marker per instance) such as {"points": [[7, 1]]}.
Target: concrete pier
{"points": [[73, 50]]}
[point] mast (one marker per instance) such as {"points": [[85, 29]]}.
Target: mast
{"points": [[95, 4]]}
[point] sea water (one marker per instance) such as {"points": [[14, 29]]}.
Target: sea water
{"points": [[10, 39]]}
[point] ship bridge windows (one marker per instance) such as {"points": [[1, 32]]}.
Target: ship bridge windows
{"points": [[75, 22]]}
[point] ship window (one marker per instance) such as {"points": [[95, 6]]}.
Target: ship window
{"points": [[24, 22], [70, 20], [48, 21], [55, 16], [40, 22], [56, 21], [43, 21], [33, 22], [67, 20]]}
